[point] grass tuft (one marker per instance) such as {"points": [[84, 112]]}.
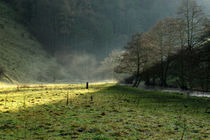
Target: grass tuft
{"points": [[102, 112]]}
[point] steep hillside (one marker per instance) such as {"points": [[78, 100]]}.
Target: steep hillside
{"points": [[92, 26], [21, 55]]}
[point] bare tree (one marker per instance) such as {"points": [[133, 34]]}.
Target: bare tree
{"points": [[193, 18], [133, 58], [192, 15], [163, 39], [108, 65]]}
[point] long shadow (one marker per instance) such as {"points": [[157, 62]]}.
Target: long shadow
{"points": [[164, 97], [66, 120]]}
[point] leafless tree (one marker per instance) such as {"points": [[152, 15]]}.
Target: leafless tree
{"points": [[133, 58], [193, 17]]}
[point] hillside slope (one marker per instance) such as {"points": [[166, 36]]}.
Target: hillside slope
{"points": [[21, 55]]}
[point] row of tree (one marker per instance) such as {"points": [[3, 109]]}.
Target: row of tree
{"points": [[175, 52]]}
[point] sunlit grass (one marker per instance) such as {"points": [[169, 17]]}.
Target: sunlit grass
{"points": [[13, 98], [104, 111]]}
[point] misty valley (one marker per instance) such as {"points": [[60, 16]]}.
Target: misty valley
{"points": [[104, 69]]}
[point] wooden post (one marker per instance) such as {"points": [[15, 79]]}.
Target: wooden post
{"points": [[87, 85], [67, 99]]}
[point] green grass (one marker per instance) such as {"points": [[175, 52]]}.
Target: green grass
{"points": [[115, 112]]}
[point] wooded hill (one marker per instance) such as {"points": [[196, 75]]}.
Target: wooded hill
{"points": [[92, 26], [22, 57]]}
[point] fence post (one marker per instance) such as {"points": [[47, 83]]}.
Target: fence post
{"points": [[87, 85]]}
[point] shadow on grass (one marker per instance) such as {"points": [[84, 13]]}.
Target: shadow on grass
{"points": [[162, 97], [80, 117]]}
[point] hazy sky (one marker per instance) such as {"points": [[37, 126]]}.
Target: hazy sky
{"points": [[206, 4]]}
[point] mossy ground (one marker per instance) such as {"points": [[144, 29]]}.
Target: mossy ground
{"points": [[103, 112]]}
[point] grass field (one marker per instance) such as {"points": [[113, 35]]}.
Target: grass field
{"points": [[103, 112]]}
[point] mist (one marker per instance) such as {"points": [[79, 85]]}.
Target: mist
{"points": [[104, 69], [78, 36]]}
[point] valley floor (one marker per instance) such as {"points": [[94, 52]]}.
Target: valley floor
{"points": [[102, 112]]}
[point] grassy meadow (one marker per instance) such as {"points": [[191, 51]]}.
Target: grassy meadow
{"points": [[102, 112]]}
